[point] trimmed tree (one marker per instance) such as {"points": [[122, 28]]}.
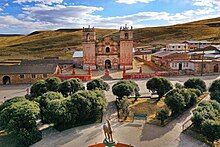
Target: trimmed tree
{"points": [[19, 119], [38, 88], [215, 90], [53, 84], [159, 85], [57, 113], [195, 83], [97, 84], [211, 129], [71, 86], [162, 115], [175, 102], [44, 100], [87, 106], [215, 95], [123, 89]]}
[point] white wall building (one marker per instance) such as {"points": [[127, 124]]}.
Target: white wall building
{"points": [[177, 47], [182, 65]]}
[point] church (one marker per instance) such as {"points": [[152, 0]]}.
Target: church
{"points": [[107, 53]]}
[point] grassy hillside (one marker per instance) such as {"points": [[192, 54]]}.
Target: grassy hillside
{"points": [[56, 43]]}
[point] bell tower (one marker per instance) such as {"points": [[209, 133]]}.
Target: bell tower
{"points": [[126, 47], [89, 40]]}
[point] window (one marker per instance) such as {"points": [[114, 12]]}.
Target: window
{"points": [[21, 76], [187, 64], [126, 35], [179, 46], [107, 50], [33, 76], [204, 65], [45, 75]]}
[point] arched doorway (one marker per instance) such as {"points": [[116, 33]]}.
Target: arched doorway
{"points": [[6, 80], [216, 68], [108, 64]]}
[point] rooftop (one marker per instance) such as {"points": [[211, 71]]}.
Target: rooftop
{"points": [[78, 54], [28, 69], [166, 53], [196, 42]]}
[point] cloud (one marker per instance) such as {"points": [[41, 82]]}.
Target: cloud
{"points": [[43, 16], [39, 1], [1, 9], [133, 1], [207, 3]]}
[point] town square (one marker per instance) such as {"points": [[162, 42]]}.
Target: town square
{"points": [[117, 73]]}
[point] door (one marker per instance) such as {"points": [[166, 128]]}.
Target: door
{"points": [[180, 66], [216, 68]]}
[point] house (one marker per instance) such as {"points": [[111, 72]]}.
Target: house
{"points": [[210, 52], [206, 66], [177, 47], [163, 58], [23, 74], [192, 45], [181, 65], [142, 53]]}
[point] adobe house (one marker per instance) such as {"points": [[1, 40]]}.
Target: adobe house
{"points": [[24, 74], [163, 58]]}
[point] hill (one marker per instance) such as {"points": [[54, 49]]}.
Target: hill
{"points": [[61, 42]]}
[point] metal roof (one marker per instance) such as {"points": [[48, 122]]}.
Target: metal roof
{"points": [[78, 54]]}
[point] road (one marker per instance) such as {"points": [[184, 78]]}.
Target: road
{"points": [[137, 133]]}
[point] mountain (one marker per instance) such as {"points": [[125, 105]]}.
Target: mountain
{"points": [[61, 42]]}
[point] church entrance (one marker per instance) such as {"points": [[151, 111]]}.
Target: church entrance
{"points": [[108, 64], [216, 69], [6, 80]]}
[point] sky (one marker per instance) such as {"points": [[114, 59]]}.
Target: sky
{"points": [[26, 16]]}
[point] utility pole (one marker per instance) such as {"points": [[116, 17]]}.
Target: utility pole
{"points": [[203, 52]]}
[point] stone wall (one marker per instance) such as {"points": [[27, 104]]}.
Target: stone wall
{"points": [[15, 78]]}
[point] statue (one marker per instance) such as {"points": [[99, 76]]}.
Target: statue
{"points": [[108, 132]]}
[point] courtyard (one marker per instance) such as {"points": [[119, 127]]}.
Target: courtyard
{"points": [[136, 133]]}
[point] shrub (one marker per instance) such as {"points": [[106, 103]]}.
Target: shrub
{"points": [[123, 89], [58, 114], [91, 102], [195, 83], [71, 86], [19, 119], [175, 102], [52, 84], [215, 86], [162, 115], [215, 95], [97, 84], [206, 110], [179, 86], [134, 86], [44, 100], [38, 88], [211, 129], [159, 85]]}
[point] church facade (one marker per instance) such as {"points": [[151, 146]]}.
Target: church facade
{"points": [[107, 53]]}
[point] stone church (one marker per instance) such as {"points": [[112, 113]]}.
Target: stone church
{"points": [[107, 53]]}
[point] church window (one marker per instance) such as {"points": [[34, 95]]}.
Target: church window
{"points": [[126, 35], [21, 76], [87, 37], [107, 50]]}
